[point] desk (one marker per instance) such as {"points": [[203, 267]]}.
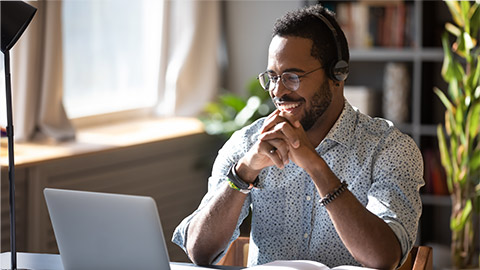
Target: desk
{"points": [[37, 261]]}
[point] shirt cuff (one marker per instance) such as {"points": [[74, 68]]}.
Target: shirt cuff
{"points": [[402, 237]]}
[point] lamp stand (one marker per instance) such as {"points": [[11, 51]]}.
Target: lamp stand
{"points": [[11, 161]]}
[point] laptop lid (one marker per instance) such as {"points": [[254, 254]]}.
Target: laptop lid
{"points": [[106, 231]]}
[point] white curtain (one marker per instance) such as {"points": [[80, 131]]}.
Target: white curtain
{"points": [[37, 77], [190, 57], [188, 79]]}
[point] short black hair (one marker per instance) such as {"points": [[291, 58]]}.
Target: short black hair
{"points": [[305, 23]]}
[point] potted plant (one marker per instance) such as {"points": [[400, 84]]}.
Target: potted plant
{"points": [[458, 138], [231, 112]]}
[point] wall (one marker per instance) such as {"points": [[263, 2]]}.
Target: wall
{"points": [[248, 29]]}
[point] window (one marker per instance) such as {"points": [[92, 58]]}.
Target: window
{"points": [[111, 55]]}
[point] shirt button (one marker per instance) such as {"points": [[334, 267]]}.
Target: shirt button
{"points": [[309, 198], [305, 235]]}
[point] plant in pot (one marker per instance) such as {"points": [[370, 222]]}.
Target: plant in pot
{"points": [[458, 138], [231, 112]]}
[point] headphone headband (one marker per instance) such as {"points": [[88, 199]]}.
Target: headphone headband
{"points": [[338, 70]]}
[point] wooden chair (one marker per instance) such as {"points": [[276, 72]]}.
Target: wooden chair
{"points": [[419, 258], [237, 253]]}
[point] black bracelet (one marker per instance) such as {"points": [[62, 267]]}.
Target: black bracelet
{"points": [[238, 182], [334, 194]]}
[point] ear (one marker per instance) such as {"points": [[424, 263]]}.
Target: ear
{"points": [[335, 84]]}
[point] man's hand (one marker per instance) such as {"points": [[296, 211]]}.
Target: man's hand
{"points": [[281, 126]]}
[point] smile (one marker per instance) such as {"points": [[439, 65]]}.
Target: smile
{"points": [[287, 107]]}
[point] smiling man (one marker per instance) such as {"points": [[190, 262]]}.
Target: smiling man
{"points": [[324, 182]]}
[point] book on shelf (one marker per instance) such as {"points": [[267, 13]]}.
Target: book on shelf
{"points": [[303, 265], [377, 23], [435, 178]]}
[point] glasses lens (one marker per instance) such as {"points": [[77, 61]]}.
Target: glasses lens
{"points": [[291, 81], [264, 80]]}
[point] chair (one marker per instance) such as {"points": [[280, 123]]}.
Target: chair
{"points": [[419, 258], [237, 253]]}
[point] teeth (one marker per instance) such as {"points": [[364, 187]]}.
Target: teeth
{"points": [[289, 106]]}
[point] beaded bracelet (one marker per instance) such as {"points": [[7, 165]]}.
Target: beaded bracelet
{"points": [[334, 194]]}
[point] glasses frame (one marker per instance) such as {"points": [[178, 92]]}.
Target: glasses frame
{"points": [[275, 79]]}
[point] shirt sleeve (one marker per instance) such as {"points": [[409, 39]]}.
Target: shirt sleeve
{"points": [[394, 195], [230, 153]]}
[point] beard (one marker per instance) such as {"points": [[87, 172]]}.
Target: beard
{"points": [[318, 105]]}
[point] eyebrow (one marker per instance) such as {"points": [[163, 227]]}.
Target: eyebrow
{"points": [[288, 70]]}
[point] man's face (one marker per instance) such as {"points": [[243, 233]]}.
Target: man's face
{"points": [[313, 97]]}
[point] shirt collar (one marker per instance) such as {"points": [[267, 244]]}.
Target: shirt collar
{"points": [[342, 130]]}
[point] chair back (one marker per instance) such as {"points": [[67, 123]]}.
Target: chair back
{"points": [[419, 258], [237, 253]]}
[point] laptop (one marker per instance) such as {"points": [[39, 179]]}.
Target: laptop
{"points": [[106, 231]]}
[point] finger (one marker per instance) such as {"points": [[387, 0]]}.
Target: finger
{"points": [[272, 121], [282, 131], [280, 149], [277, 151], [290, 118]]}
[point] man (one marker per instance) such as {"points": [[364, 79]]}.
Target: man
{"points": [[331, 184]]}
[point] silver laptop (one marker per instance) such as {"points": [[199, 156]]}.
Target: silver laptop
{"points": [[106, 231]]}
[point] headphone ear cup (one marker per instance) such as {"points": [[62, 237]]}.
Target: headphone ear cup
{"points": [[339, 71]]}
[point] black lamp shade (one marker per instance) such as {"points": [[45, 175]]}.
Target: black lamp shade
{"points": [[15, 17]]}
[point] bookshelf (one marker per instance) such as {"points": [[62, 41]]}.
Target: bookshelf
{"points": [[420, 25]]}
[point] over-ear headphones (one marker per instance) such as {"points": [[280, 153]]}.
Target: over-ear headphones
{"points": [[338, 69]]}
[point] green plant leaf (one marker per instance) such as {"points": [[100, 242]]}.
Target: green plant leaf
{"points": [[231, 112], [475, 161], [473, 118], [453, 91], [453, 29], [465, 8], [473, 79], [450, 69], [459, 118], [255, 89], [245, 115], [458, 222], [232, 101], [446, 102], [455, 11], [444, 155], [474, 15]]}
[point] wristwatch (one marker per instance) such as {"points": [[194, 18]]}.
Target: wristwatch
{"points": [[237, 183]]}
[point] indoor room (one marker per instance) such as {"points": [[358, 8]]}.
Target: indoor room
{"points": [[139, 97]]}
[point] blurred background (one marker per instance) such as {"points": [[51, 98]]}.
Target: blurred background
{"points": [[111, 96]]}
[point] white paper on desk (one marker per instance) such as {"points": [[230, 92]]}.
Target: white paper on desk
{"points": [[302, 265]]}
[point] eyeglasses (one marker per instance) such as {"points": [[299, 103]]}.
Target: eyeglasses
{"points": [[290, 80]]}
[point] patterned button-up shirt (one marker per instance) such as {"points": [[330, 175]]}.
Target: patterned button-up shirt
{"points": [[382, 166]]}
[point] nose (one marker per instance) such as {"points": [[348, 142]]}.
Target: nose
{"points": [[279, 90]]}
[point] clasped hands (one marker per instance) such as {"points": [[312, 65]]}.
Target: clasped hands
{"points": [[282, 139]]}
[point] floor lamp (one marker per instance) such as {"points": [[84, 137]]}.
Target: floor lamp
{"points": [[15, 17]]}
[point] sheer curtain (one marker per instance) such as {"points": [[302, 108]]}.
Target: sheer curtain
{"points": [[37, 77], [188, 77], [190, 57]]}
